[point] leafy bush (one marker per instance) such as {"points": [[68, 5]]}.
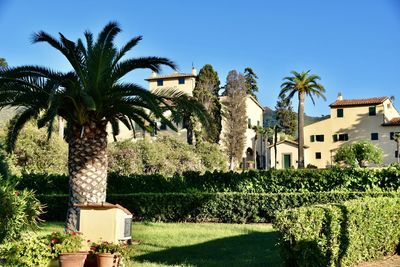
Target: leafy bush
{"points": [[271, 181], [165, 156], [30, 251], [359, 154], [19, 210], [35, 154], [209, 207], [340, 234]]}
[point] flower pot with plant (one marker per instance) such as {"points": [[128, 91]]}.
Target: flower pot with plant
{"points": [[107, 254], [67, 247]]}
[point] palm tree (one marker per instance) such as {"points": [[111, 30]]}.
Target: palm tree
{"points": [[396, 138], [88, 98], [304, 84]]}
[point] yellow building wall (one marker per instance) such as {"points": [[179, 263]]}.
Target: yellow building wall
{"points": [[357, 123], [173, 83], [282, 149]]}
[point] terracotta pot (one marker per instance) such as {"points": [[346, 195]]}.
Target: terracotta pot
{"points": [[76, 259], [107, 260]]}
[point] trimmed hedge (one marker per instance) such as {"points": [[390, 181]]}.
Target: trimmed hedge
{"points": [[340, 234], [271, 181], [208, 207]]}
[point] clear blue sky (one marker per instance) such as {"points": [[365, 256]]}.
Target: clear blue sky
{"points": [[353, 45]]}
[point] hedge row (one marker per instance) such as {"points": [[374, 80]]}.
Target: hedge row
{"points": [[271, 181], [208, 207], [340, 234]]}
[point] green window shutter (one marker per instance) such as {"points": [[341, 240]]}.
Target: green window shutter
{"points": [[340, 113]]}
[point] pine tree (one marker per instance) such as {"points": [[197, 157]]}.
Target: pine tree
{"points": [[251, 82], [286, 118], [206, 92], [235, 117]]}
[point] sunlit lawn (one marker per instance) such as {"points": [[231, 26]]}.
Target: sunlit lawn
{"points": [[187, 244]]}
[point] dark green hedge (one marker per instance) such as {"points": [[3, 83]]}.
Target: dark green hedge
{"points": [[340, 234], [207, 207], [271, 181]]}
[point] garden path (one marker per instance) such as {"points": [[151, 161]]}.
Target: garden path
{"points": [[392, 261]]}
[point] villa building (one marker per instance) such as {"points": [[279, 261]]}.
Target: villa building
{"points": [[254, 147], [373, 119]]}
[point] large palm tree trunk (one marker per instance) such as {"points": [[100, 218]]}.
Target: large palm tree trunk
{"points": [[87, 167], [301, 131]]}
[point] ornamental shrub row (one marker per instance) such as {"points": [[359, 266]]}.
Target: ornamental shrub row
{"points": [[208, 207], [340, 234], [271, 181]]}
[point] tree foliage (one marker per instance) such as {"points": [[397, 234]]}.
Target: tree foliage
{"points": [[235, 116], [251, 82], [206, 92], [286, 118], [34, 153], [303, 84], [3, 62], [165, 156], [359, 154]]}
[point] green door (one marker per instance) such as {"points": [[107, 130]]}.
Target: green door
{"points": [[287, 161]]}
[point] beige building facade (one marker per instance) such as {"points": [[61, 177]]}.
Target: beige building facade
{"points": [[373, 119], [254, 145], [286, 155]]}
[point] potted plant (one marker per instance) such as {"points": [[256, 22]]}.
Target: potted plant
{"points": [[67, 248], [107, 254]]}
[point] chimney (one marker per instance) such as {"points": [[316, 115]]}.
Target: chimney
{"points": [[339, 97], [153, 74], [194, 71]]}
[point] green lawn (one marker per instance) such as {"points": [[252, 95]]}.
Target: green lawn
{"points": [[188, 244]]}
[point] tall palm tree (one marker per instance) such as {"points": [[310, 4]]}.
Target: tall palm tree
{"points": [[90, 96], [304, 84], [396, 138]]}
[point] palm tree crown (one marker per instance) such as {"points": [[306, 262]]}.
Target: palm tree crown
{"points": [[93, 90], [304, 84]]}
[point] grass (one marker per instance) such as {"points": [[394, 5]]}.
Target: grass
{"points": [[205, 244]]}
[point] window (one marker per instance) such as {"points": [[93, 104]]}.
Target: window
{"points": [[335, 137], [181, 80], [258, 123], [372, 111], [312, 138], [319, 138], [374, 136], [318, 155], [249, 123], [396, 154], [163, 126], [160, 82], [392, 135], [343, 137], [340, 113]]}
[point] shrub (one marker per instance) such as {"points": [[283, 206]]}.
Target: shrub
{"points": [[35, 154], [30, 251], [209, 207], [359, 154], [164, 155], [271, 181], [19, 210], [340, 234]]}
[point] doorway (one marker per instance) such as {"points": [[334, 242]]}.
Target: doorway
{"points": [[287, 161]]}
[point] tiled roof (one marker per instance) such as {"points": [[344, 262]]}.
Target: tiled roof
{"points": [[172, 75], [358, 102], [392, 122], [290, 142]]}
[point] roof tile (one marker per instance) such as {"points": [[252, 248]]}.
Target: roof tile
{"points": [[358, 102]]}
